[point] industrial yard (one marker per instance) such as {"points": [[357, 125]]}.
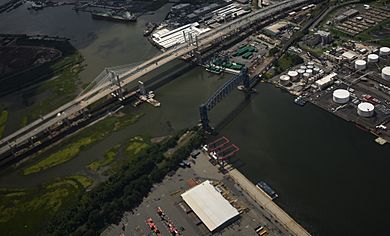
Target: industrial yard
{"points": [[347, 77], [172, 194]]}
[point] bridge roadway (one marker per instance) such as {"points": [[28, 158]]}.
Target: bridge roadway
{"points": [[78, 104]]}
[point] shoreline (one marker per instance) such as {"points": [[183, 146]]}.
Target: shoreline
{"points": [[266, 203]]}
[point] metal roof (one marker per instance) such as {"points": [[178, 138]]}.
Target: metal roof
{"points": [[209, 205]]}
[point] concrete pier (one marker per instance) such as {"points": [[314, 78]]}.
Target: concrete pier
{"points": [[263, 200]]}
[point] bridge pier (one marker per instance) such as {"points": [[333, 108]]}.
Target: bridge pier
{"points": [[204, 118], [221, 93]]}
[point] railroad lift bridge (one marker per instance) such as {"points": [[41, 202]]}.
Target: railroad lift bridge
{"points": [[240, 81], [115, 80]]}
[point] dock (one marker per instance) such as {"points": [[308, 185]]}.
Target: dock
{"points": [[264, 201]]}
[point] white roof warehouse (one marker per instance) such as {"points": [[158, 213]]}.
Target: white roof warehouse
{"points": [[210, 206]]}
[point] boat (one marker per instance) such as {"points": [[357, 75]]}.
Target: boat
{"points": [[111, 16], [267, 189], [149, 27], [213, 69], [300, 101], [37, 6]]}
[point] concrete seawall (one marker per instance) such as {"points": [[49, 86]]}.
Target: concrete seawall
{"points": [[263, 200]]}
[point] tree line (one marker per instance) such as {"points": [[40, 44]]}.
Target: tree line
{"points": [[123, 191]]}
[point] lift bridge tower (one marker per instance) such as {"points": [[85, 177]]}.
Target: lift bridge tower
{"points": [[192, 40], [222, 92]]}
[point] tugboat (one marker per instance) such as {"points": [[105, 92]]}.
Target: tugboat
{"points": [[267, 189], [112, 16]]}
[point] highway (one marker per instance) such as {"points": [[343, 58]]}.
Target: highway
{"points": [[80, 103]]}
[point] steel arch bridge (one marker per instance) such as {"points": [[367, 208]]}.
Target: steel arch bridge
{"points": [[221, 93]]}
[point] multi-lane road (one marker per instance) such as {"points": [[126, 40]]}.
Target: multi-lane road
{"points": [[78, 104]]}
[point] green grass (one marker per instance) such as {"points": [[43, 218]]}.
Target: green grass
{"points": [[136, 145], [109, 157], [83, 180], [3, 121], [26, 211], [86, 138], [60, 157], [57, 91]]}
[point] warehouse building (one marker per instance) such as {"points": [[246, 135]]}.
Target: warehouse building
{"points": [[166, 38], [210, 206]]}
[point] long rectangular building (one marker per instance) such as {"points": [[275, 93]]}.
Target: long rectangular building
{"points": [[210, 206]]}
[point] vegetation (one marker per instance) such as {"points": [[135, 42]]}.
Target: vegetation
{"points": [[26, 211], [95, 210], [61, 156], [273, 51], [84, 139], [41, 72], [369, 34], [109, 157], [57, 91], [287, 61], [317, 51], [3, 121], [136, 145]]}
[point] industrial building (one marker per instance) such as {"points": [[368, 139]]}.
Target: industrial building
{"points": [[166, 38], [326, 81], [210, 206], [276, 28], [324, 37]]}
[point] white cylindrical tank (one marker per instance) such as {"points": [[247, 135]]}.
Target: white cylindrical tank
{"points": [[310, 67], [316, 70], [306, 75], [384, 51], [303, 67], [309, 71], [293, 75], [310, 63], [360, 64], [386, 73], [365, 109], [301, 72], [284, 79], [372, 58], [341, 96]]}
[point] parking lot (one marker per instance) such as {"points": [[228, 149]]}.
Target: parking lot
{"points": [[167, 196]]}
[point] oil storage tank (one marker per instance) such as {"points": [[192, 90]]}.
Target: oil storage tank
{"points": [[293, 75], [341, 96], [365, 109], [386, 73], [360, 64], [284, 80], [384, 51], [372, 58]]}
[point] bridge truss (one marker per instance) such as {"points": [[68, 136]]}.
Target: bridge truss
{"points": [[221, 93]]}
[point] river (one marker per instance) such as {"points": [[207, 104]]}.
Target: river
{"points": [[330, 175]]}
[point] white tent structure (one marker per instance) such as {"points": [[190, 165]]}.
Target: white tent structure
{"points": [[209, 205]]}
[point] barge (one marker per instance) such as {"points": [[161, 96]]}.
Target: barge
{"points": [[263, 186]]}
